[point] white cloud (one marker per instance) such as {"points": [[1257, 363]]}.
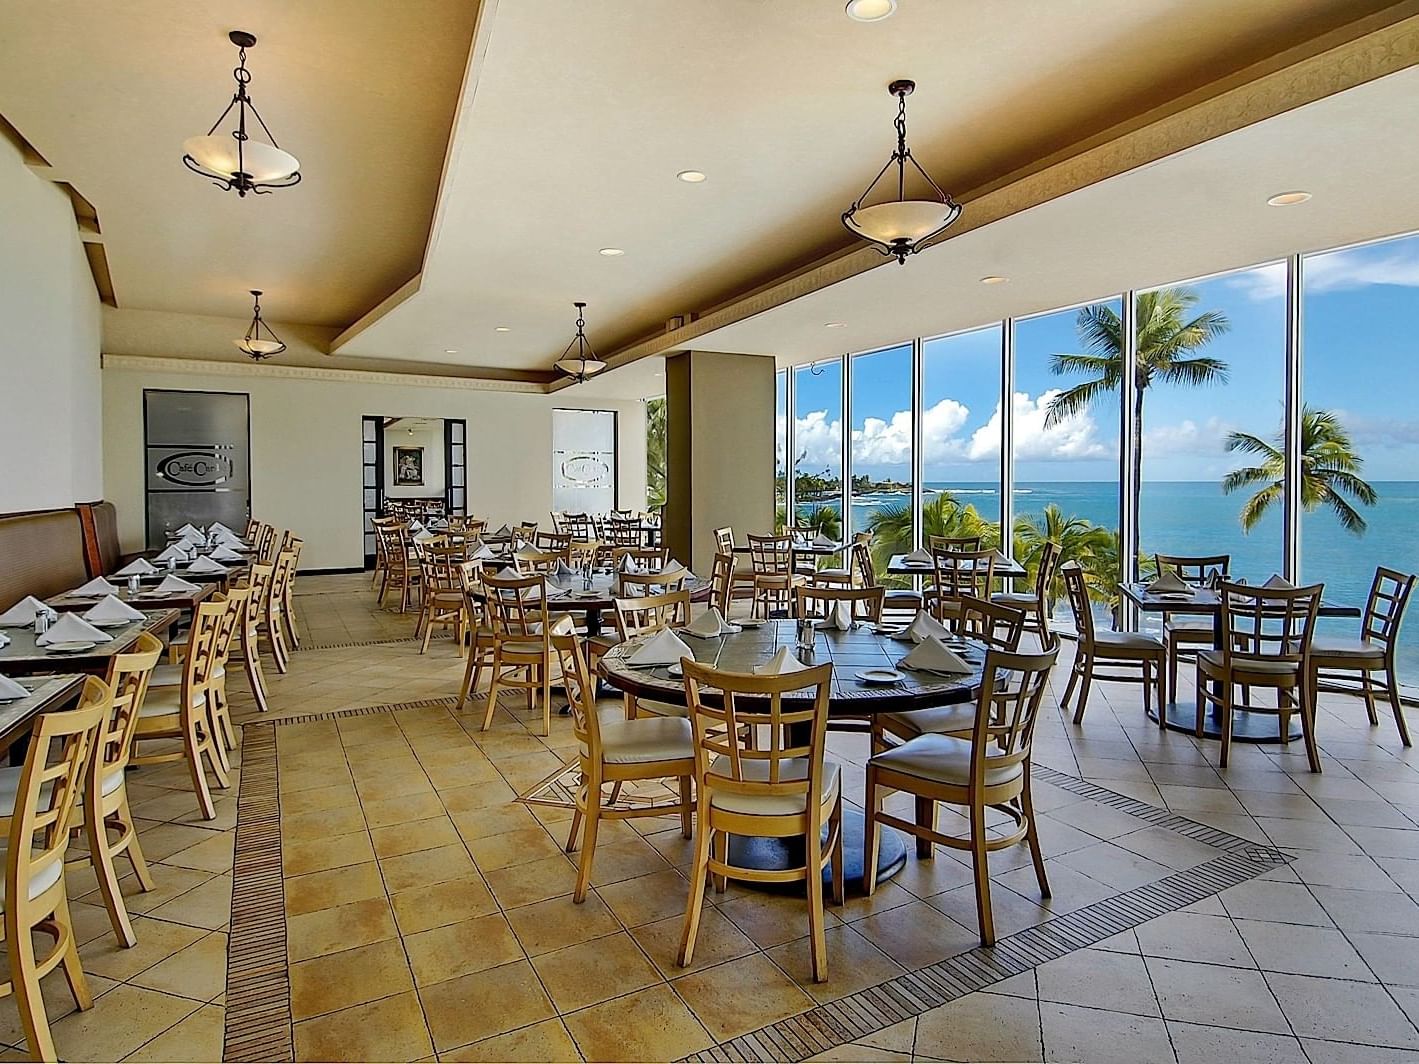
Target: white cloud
{"points": [[1187, 437], [1073, 438], [1338, 271]]}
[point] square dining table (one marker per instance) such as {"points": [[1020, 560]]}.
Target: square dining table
{"points": [[23, 657], [145, 599], [47, 692]]}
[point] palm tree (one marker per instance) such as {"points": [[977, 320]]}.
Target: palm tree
{"points": [[825, 519], [1079, 539], [891, 528], [1168, 336], [655, 447], [1330, 471]]}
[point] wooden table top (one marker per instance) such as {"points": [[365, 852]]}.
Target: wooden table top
{"points": [[144, 600], [565, 594], [1005, 568], [23, 658], [862, 647], [809, 548], [46, 693], [1205, 601]]}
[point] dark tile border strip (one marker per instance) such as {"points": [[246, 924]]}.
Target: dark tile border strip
{"points": [[358, 643], [258, 1002]]}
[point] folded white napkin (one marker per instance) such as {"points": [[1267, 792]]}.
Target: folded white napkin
{"points": [[932, 655], [219, 528], [484, 553], [230, 540], [176, 552], [502, 533], [71, 628], [672, 568], [424, 536], [525, 551], [821, 540], [110, 610], [917, 557], [10, 690], [624, 590], [839, 616], [780, 663], [190, 530], [4, 640], [207, 565], [439, 526], [22, 613], [97, 586], [710, 625], [416, 526], [563, 569], [223, 553], [924, 627], [1168, 582], [192, 539], [140, 567], [629, 564], [1276, 580], [663, 648], [173, 585]]}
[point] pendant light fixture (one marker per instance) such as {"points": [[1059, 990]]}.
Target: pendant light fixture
{"points": [[900, 226], [260, 342], [583, 363], [234, 161]]}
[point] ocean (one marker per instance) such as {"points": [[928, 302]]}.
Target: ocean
{"points": [[1196, 517]]}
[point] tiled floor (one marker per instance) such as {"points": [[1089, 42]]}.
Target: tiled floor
{"points": [[427, 912]]}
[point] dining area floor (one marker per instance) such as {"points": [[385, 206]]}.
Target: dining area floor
{"points": [[373, 888]]}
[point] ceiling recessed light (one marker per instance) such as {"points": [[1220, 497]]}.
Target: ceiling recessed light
{"points": [[994, 279], [1288, 199], [834, 324], [611, 253], [693, 177], [450, 350], [501, 328], [870, 10]]}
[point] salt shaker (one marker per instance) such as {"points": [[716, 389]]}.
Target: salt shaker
{"points": [[133, 583], [41, 622], [804, 634], [172, 563]]}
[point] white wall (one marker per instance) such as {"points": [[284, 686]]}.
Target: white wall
{"points": [[431, 440], [50, 391], [305, 448]]}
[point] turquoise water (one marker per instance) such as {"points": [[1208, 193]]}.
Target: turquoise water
{"points": [[1196, 517]]}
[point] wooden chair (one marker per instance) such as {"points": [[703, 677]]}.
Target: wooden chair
{"points": [[1035, 604], [743, 582], [1340, 659], [381, 563], [619, 752], [43, 800], [958, 574], [584, 552], [642, 615], [288, 609], [252, 524], [274, 613], [527, 531], [553, 542], [443, 604], [181, 712], [649, 558], [989, 769], [623, 532], [521, 637], [401, 571], [238, 602], [1266, 643], [266, 549], [480, 629], [722, 583], [1185, 634], [817, 602], [968, 544], [578, 526], [530, 562], [1113, 649], [895, 600], [999, 628], [108, 822], [246, 647], [850, 574], [774, 578], [781, 787]]}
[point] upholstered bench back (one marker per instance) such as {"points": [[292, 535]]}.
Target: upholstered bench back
{"points": [[41, 554]]}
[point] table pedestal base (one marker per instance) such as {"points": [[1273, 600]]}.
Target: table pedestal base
{"points": [[1247, 727], [770, 854]]}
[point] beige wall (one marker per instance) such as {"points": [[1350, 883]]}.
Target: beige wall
{"points": [[305, 447], [431, 440], [50, 406]]}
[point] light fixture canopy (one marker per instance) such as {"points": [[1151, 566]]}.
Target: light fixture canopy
{"points": [[1288, 199], [870, 10], [691, 177], [993, 278], [583, 363], [900, 227], [234, 161], [260, 342], [612, 253]]}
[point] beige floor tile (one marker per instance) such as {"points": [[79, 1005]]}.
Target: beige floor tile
{"points": [[515, 987], [1197, 1044], [742, 995], [58, 1003], [423, 867], [169, 882], [441, 903], [468, 946], [209, 905], [1096, 1035], [651, 1024], [981, 1027], [159, 841], [341, 927], [1098, 979], [592, 972], [512, 848], [196, 971], [341, 819], [391, 1028], [399, 839], [198, 1037], [477, 796], [1208, 994], [385, 812], [718, 941], [646, 899], [334, 886], [1299, 950], [338, 851], [493, 820], [1342, 1011], [625, 860], [157, 941], [768, 919], [331, 796], [916, 935], [350, 977], [560, 922], [543, 1041], [524, 884], [210, 855], [853, 964], [130, 1016]]}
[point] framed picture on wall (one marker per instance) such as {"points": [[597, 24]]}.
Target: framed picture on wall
{"points": [[408, 466]]}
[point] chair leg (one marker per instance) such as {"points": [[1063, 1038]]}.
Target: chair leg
{"points": [[1032, 836], [698, 873], [1086, 677], [872, 834], [1307, 696], [293, 633], [588, 842], [25, 979], [546, 671], [839, 875], [255, 680], [1164, 690], [193, 747], [721, 853], [980, 864], [73, 970], [1146, 667], [1069, 687], [926, 818], [1226, 722], [493, 690], [425, 620], [1368, 691], [687, 808], [1172, 652], [816, 917], [134, 849], [1392, 686], [96, 833]]}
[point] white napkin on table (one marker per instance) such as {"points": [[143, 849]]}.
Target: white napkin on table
{"points": [[924, 627], [190, 529], [424, 536], [71, 628], [663, 648], [173, 585], [932, 655], [140, 567], [1279, 582], [821, 540], [917, 557], [176, 552], [110, 610], [10, 690], [416, 526], [672, 568], [223, 553], [710, 625], [22, 613], [219, 528], [502, 533], [1169, 582], [484, 553], [231, 541], [97, 586], [624, 590], [563, 569], [207, 565], [839, 616], [780, 663], [192, 539], [629, 564], [526, 551]]}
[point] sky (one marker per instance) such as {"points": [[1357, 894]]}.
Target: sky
{"points": [[1360, 358]]}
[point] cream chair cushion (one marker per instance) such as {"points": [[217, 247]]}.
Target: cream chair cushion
{"points": [[942, 759], [1127, 641], [940, 720], [171, 675], [165, 702], [771, 804], [1020, 600], [635, 742], [42, 881], [1211, 663], [1346, 648]]}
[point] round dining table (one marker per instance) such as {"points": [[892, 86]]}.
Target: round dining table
{"points": [[850, 701]]}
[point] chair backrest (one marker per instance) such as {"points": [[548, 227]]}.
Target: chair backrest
{"points": [[722, 581], [724, 540], [581, 694], [1012, 690], [1267, 623], [200, 663], [441, 568], [516, 605], [280, 577], [526, 531], [745, 736], [956, 573], [578, 526], [1076, 589], [994, 624], [60, 748], [623, 532], [640, 614], [771, 555], [237, 600], [552, 542], [252, 524], [954, 543], [817, 602], [295, 544], [1046, 569], [636, 584], [645, 557], [127, 679], [539, 561], [861, 565], [266, 550], [259, 580], [1196, 569], [583, 552], [1384, 610]]}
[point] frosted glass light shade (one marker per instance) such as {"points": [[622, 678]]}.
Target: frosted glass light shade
{"points": [[577, 367], [260, 348], [902, 220], [263, 163]]}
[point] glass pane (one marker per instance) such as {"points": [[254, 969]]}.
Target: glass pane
{"points": [[818, 438], [1361, 430], [458, 429], [370, 475], [1212, 365], [458, 476], [367, 430], [780, 446], [371, 453], [881, 483], [456, 453], [1066, 446], [656, 446], [371, 499]]}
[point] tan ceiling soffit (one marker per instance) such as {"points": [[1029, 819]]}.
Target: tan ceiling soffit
{"points": [[482, 33], [1367, 49], [212, 367]]}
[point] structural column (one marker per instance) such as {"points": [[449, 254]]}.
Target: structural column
{"points": [[720, 451]]}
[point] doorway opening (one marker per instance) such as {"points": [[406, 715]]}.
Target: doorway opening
{"points": [[412, 467]]}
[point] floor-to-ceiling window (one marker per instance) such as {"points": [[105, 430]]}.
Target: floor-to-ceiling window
{"points": [[780, 449], [1064, 428], [880, 493], [1360, 425], [817, 446]]}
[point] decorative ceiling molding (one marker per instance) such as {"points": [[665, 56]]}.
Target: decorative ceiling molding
{"points": [[1362, 52], [211, 367]]}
